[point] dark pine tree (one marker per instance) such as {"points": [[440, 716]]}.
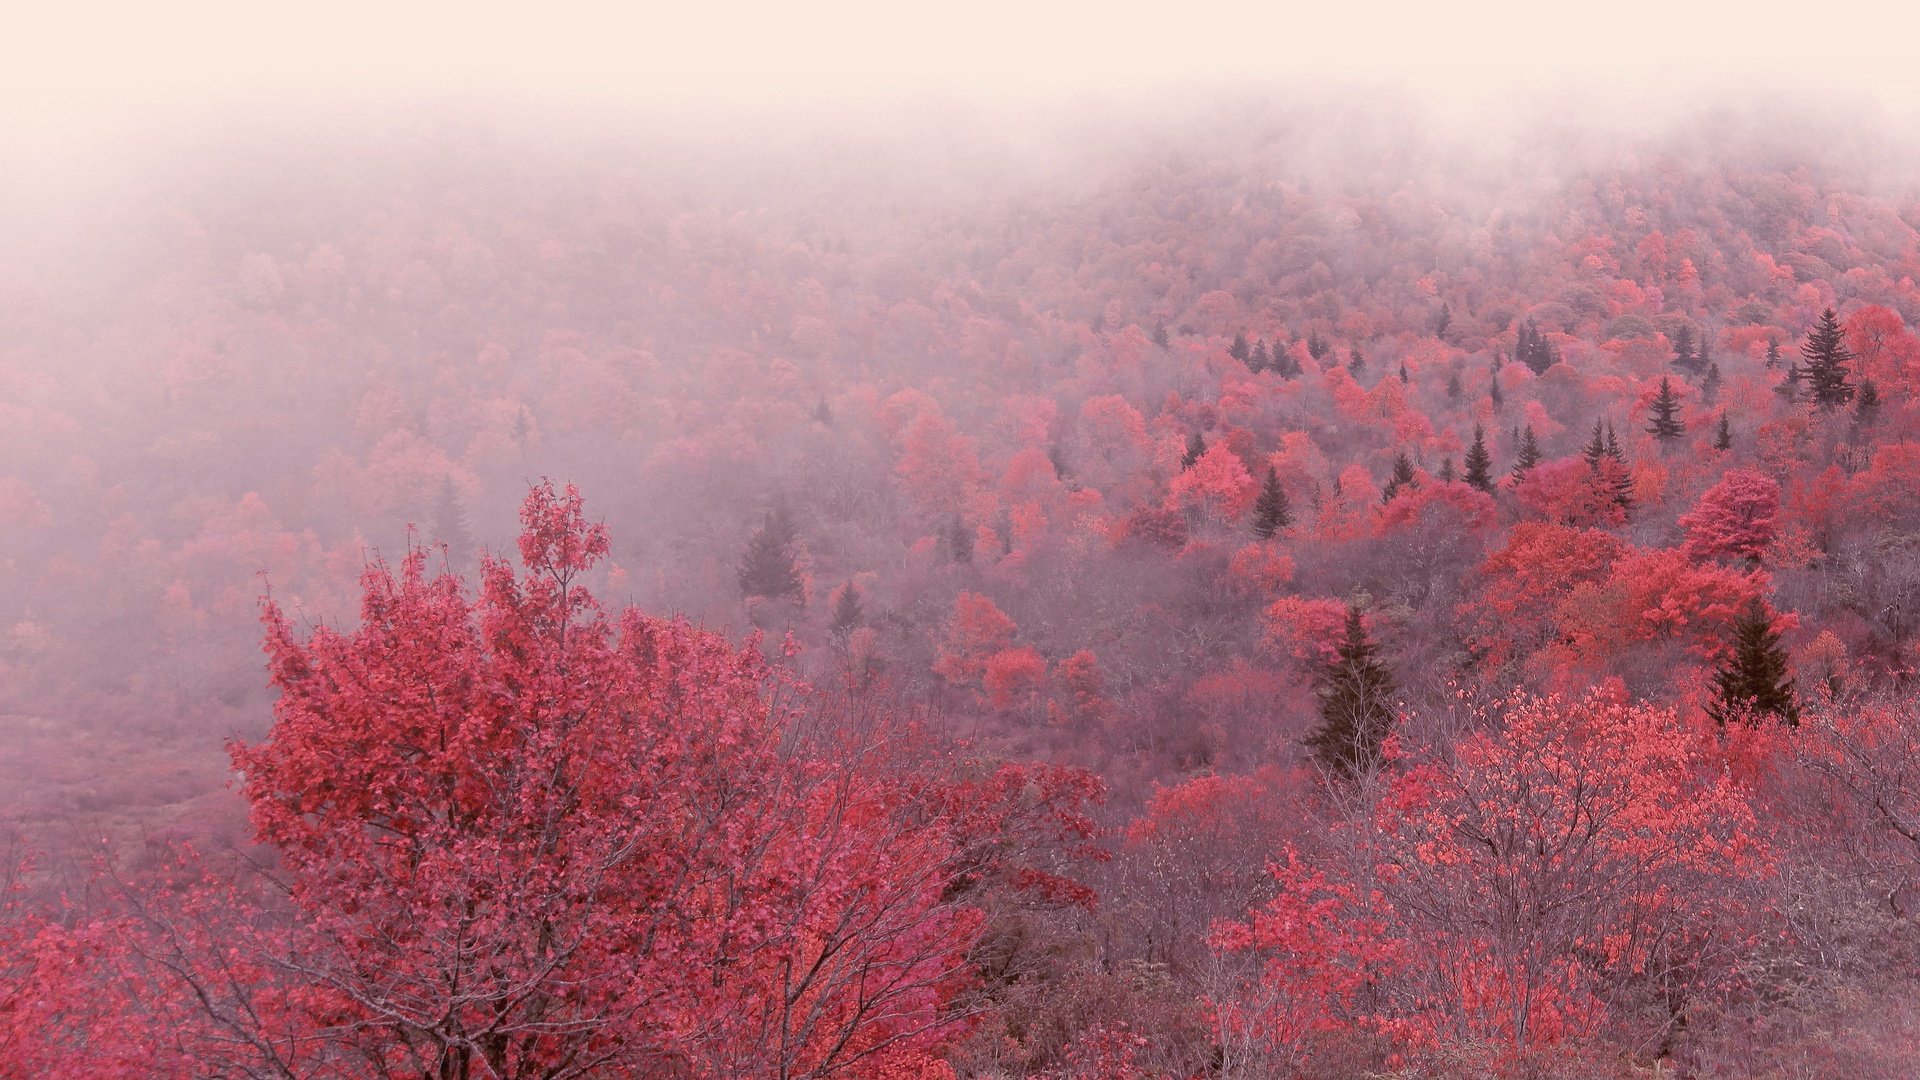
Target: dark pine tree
{"points": [[823, 413], [1447, 473], [1401, 479], [1493, 389], [1723, 436], [1866, 404], [1528, 455], [1535, 351], [1160, 335], [1596, 449], [959, 542], [1753, 683], [1479, 463], [1773, 353], [1355, 362], [1196, 447], [1261, 359], [1403, 373], [848, 613], [1284, 363], [1355, 695], [1271, 512], [1710, 385], [1789, 387], [1453, 384], [1240, 350], [767, 568], [1665, 420], [1442, 320], [1619, 475], [1827, 356], [1684, 357], [1317, 346]]}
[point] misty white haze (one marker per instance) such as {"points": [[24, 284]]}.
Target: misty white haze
{"points": [[1010, 541]]}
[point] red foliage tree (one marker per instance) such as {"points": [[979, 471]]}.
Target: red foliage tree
{"points": [[1736, 518]]}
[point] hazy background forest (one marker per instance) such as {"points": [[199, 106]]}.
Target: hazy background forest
{"points": [[1252, 577]]}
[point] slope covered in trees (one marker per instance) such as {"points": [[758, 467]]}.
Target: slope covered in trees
{"points": [[1075, 464]]}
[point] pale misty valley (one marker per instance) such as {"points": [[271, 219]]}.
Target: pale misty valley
{"points": [[835, 559]]}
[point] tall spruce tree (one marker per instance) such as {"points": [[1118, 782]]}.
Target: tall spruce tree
{"points": [[1827, 356], [1619, 473], [1596, 449], [1261, 359], [1753, 683], [959, 542], [1479, 463], [767, 569], [1240, 350], [1493, 389], [1271, 512], [1665, 420], [1196, 448], [1356, 363], [848, 613], [1773, 353], [1710, 384], [1684, 357], [1866, 404], [1355, 694], [1401, 479], [1160, 335], [1528, 455], [1723, 436]]}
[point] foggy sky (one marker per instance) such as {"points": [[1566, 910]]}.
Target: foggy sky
{"points": [[96, 71]]}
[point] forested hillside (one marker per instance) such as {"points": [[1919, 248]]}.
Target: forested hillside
{"points": [[1266, 592]]}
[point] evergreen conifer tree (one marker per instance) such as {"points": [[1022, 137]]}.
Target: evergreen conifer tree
{"points": [[767, 569], [1160, 335], [1596, 448], [1773, 353], [1684, 357], [1827, 356], [1355, 695], [1447, 473], [1401, 479], [1317, 346], [1403, 373], [1528, 455], [1866, 404], [1723, 437], [848, 613], [1271, 512], [1493, 389], [1619, 475], [1453, 384], [1665, 420], [1753, 682], [1710, 385], [960, 542], [1356, 363], [1479, 463], [1196, 448], [1261, 360], [1240, 350]]}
